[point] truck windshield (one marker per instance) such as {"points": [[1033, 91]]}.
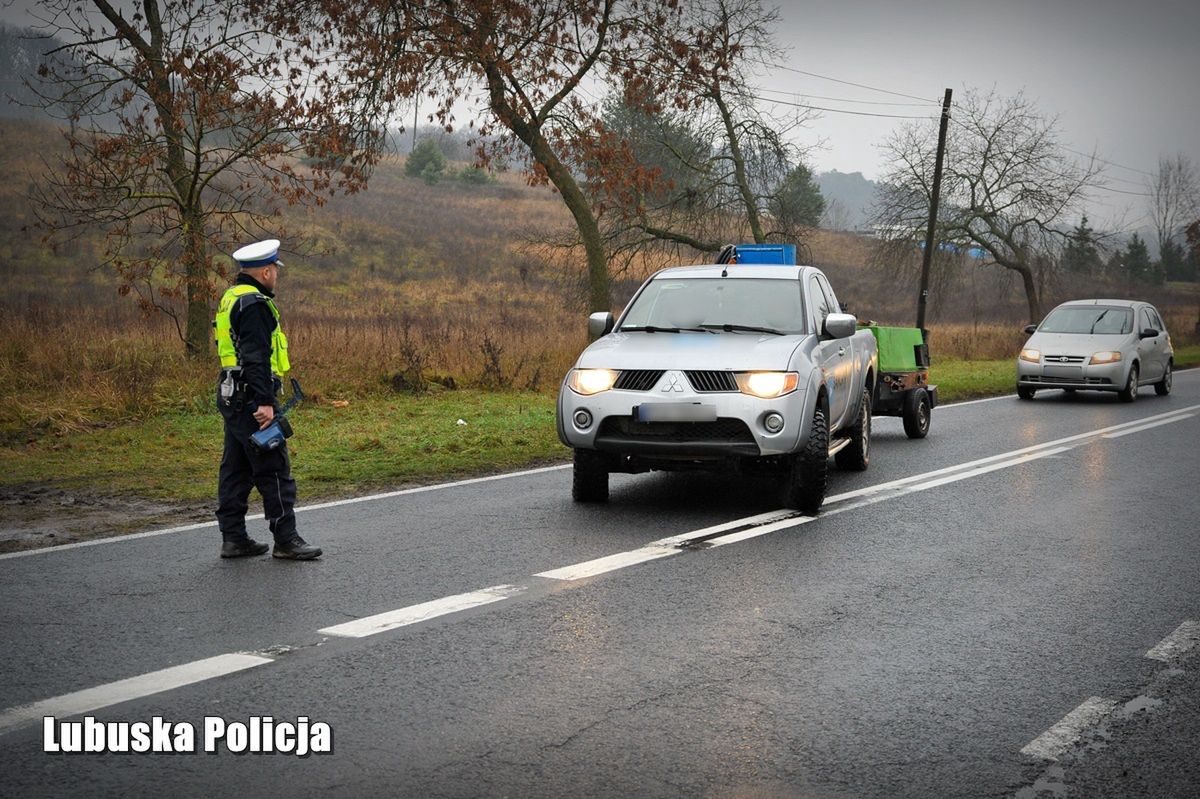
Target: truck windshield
{"points": [[1097, 319], [696, 302]]}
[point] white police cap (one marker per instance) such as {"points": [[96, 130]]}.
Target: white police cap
{"points": [[261, 253]]}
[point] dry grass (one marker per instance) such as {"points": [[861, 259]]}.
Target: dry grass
{"points": [[408, 287]]}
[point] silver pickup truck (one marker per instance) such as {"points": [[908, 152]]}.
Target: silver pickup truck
{"points": [[746, 367]]}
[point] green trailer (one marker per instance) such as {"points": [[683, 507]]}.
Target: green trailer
{"points": [[903, 388]]}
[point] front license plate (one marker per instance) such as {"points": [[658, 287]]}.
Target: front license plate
{"points": [[675, 412], [1073, 372]]}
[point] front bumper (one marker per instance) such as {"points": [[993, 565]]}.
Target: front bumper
{"points": [[1102, 377], [739, 430]]}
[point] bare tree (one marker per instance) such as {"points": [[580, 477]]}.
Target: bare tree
{"points": [[723, 159], [187, 120], [527, 65], [1007, 186], [1174, 197]]}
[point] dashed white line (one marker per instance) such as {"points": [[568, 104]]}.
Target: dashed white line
{"points": [[390, 620], [112, 693], [1056, 740], [1184, 637]]}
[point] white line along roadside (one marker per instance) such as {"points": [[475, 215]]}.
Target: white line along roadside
{"points": [[1056, 740], [154, 682], [302, 509], [1184, 637]]}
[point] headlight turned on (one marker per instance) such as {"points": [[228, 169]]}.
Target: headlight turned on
{"points": [[767, 385], [1033, 356], [1106, 357], [592, 381]]}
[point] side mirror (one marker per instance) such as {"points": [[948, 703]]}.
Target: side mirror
{"points": [[600, 324], [1149, 332], [1031, 329], [840, 325]]}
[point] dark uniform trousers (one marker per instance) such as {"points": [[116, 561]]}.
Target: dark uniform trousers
{"points": [[244, 466]]}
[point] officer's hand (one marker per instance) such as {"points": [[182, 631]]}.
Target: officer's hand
{"points": [[264, 416]]}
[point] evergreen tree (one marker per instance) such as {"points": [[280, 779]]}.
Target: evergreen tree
{"points": [[798, 201], [426, 161], [1081, 256], [1138, 266], [1174, 262]]}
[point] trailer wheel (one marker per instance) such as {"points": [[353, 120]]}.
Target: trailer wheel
{"points": [[917, 413], [589, 482], [806, 480], [856, 455]]}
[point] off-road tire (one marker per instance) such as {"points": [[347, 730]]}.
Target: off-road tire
{"points": [[918, 413], [1163, 387], [808, 478], [1130, 392], [856, 456], [589, 482], [1025, 393]]}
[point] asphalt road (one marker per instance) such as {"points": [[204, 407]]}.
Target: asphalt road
{"points": [[981, 629]]}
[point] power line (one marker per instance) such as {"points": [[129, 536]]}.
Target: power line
{"points": [[849, 83], [836, 110], [835, 99], [1110, 163]]}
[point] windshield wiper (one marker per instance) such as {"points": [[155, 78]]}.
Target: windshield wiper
{"points": [[1098, 318], [656, 329], [746, 329]]}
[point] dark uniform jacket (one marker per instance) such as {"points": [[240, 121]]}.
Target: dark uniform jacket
{"points": [[252, 324]]}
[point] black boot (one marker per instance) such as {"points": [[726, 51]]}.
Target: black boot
{"points": [[296, 548], [242, 548]]}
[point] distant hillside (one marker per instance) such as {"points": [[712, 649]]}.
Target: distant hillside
{"points": [[848, 198]]}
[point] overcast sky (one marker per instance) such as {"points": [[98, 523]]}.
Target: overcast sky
{"points": [[1122, 75]]}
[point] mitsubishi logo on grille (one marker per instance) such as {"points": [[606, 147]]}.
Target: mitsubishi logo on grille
{"points": [[673, 383]]}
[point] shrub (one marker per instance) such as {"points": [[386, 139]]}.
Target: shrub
{"points": [[426, 159]]}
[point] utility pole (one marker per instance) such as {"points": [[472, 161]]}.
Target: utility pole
{"points": [[927, 257]]}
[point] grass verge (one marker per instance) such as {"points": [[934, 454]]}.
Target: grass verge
{"points": [[374, 442]]}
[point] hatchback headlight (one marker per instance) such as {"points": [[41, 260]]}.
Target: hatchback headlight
{"points": [[591, 381], [1105, 357], [767, 385], [1033, 356]]}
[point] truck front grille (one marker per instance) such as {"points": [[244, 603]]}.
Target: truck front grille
{"points": [[709, 381], [638, 379]]}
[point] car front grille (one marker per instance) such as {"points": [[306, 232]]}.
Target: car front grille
{"points": [[710, 381], [732, 431], [638, 379], [1063, 359]]}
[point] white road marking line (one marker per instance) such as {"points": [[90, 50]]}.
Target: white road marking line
{"points": [[1186, 636], [155, 682], [258, 517], [1056, 740], [609, 563], [390, 620], [1140, 428]]}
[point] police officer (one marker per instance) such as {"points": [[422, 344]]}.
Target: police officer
{"points": [[254, 358]]}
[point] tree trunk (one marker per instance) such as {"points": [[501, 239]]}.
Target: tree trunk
{"points": [[1031, 294], [739, 170], [195, 263], [589, 229]]}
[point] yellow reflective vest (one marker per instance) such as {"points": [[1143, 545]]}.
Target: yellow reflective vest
{"points": [[227, 348]]}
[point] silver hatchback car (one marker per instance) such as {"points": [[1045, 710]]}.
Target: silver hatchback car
{"points": [[1097, 345]]}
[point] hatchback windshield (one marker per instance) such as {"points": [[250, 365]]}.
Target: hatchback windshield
{"points": [[1097, 319], [717, 302]]}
